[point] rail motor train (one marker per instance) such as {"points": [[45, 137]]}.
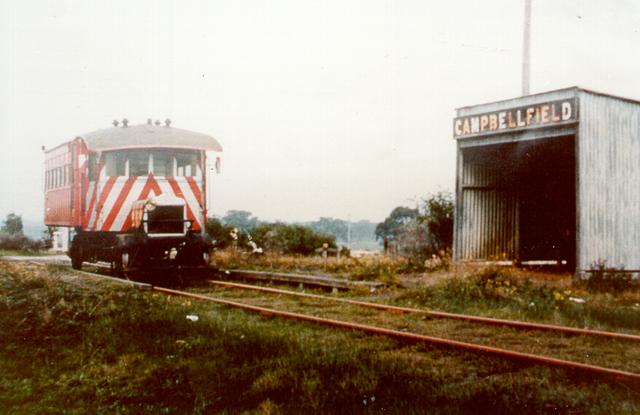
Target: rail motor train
{"points": [[132, 195]]}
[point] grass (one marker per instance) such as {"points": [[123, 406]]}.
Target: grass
{"points": [[602, 352], [378, 268], [20, 252], [500, 293], [608, 279], [75, 346]]}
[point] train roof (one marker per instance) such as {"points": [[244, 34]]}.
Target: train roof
{"points": [[148, 135]]}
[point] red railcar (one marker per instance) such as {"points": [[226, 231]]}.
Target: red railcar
{"points": [[134, 196]]}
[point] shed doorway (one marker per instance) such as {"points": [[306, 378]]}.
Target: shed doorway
{"points": [[520, 201]]}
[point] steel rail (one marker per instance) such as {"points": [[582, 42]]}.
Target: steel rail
{"points": [[440, 314], [510, 354]]}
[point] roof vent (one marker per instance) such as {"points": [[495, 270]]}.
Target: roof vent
{"points": [[125, 122], [115, 123], [167, 122], [158, 122], [149, 121]]}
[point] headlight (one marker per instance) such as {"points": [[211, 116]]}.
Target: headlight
{"points": [[150, 204]]}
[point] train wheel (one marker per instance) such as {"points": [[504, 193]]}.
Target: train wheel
{"points": [[122, 263], [76, 258], [206, 257]]}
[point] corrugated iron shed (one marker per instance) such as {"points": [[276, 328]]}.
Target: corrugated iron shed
{"points": [[549, 177]]}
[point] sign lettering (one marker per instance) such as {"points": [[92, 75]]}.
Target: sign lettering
{"points": [[521, 118]]}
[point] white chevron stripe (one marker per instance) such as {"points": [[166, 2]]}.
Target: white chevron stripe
{"points": [[99, 185], [191, 199], [92, 219], [165, 186], [92, 186], [111, 200], [125, 209], [90, 190]]}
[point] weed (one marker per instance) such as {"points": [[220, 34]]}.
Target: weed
{"points": [[603, 278], [381, 268], [500, 293]]}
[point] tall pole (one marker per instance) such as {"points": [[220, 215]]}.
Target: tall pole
{"points": [[349, 231], [526, 48]]}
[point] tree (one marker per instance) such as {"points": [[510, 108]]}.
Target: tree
{"points": [[437, 214], [290, 239], [393, 225], [331, 226], [414, 242], [47, 236], [12, 224], [241, 219]]}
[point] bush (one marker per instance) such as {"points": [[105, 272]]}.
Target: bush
{"points": [[288, 239], [424, 235], [378, 268], [225, 235], [608, 279], [490, 289], [220, 233], [277, 238], [437, 215], [19, 242]]}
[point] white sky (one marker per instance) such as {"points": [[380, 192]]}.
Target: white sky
{"points": [[324, 108]]}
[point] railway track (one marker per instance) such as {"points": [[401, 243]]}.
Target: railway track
{"points": [[409, 335], [439, 314], [414, 336]]}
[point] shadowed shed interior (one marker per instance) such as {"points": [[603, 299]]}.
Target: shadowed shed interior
{"points": [[519, 201]]}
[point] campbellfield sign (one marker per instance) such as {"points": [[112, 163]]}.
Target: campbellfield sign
{"points": [[531, 116]]}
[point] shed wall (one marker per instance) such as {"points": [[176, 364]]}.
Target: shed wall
{"points": [[608, 199], [487, 229]]}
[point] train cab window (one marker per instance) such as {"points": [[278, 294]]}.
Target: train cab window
{"points": [[162, 163], [186, 164], [115, 164], [138, 163], [93, 167]]}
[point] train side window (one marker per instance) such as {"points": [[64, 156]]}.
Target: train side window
{"points": [[92, 166], [138, 163], [162, 163], [186, 164], [115, 164]]}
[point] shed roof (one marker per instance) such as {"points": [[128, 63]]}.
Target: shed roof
{"points": [[148, 135], [572, 89]]}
